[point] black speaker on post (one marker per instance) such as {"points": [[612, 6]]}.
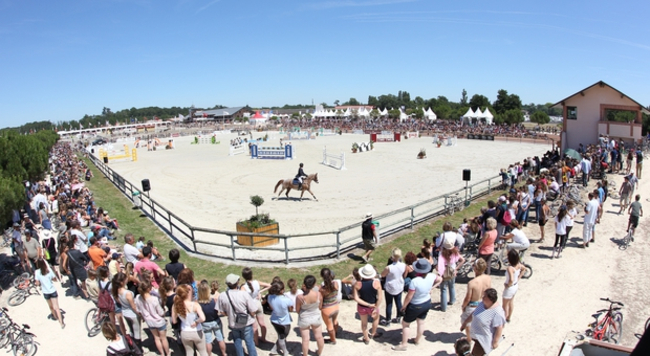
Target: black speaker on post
{"points": [[467, 175], [105, 160], [146, 186]]}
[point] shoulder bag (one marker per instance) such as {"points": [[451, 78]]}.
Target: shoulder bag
{"points": [[240, 318]]}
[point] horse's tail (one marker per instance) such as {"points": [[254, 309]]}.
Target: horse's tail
{"points": [[277, 185]]}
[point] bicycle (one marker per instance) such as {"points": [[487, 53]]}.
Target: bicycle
{"points": [[608, 323], [23, 290], [21, 341], [454, 203], [629, 237], [94, 320], [501, 259]]}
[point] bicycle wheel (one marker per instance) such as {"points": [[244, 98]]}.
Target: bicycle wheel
{"points": [[4, 337], [614, 331], [93, 322], [24, 277], [495, 263], [16, 298], [647, 324], [23, 346], [528, 272]]}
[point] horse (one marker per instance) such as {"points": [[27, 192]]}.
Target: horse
{"points": [[287, 184]]}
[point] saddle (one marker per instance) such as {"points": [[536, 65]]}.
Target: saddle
{"points": [[295, 181]]}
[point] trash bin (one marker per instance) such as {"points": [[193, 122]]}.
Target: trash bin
{"points": [[376, 223], [136, 199]]}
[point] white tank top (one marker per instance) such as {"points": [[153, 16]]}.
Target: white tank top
{"points": [[515, 275], [255, 293]]}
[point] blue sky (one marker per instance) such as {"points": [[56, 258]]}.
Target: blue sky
{"points": [[60, 60]]}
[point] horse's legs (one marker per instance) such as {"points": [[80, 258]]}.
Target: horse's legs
{"points": [[288, 189], [312, 194], [302, 192]]}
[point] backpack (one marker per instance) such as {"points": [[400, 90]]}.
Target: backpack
{"points": [[131, 348], [105, 301]]}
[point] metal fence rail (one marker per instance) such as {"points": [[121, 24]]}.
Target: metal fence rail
{"points": [[293, 247]]}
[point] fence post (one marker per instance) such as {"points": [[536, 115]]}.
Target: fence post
{"points": [[412, 217], [171, 226], [338, 245], [489, 185], [232, 247], [193, 243], [286, 252]]}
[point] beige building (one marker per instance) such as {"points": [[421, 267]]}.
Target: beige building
{"points": [[586, 116]]}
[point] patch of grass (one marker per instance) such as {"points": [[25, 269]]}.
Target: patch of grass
{"points": [[133, 221]]}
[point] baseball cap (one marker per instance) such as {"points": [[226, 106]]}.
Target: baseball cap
{"points": [[232, 279]]}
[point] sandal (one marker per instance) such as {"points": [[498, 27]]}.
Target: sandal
{"points": [[399, 348], [366, 341]]}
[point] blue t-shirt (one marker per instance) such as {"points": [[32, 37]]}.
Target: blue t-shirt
{"points": [[47, 286], [280, 305]]}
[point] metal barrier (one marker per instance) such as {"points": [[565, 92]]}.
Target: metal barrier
{"points": [[334, 161], [331, 244]]}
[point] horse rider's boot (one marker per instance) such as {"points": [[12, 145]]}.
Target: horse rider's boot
{"points": [[300, 186]]}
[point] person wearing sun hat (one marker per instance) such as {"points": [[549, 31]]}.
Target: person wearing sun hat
{"points": [[368, 295], [417, 302], [235, 301], [369, 237]]}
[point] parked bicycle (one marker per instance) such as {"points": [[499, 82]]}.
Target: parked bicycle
{"points": [[608, 323], [500, 259], [17, 337], [454, 204], [24, 289], [94, 320]]}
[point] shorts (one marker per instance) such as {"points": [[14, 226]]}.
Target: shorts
{"points": [[469, 310], [50, 295], [416, 311], [212, 330], [369, 244], [634, 221], [365, 310], [260, 309], [20, 250], [625, 199], [509, 292], [159, 328]]}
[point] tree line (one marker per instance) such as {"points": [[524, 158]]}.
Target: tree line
{"points": [[22, 158]]}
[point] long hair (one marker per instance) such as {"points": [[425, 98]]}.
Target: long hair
{"points": [[247, 274], [166, 285], [186, 276], [144, 288], [309, 282], [447, 253], [129, 268], [204, 292], [43, 267], [182, 292], [562, 213], [326, 274], [117, 283], [276, 288]]}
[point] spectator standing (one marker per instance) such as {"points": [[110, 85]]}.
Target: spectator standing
{"points": [[368, 295], [592, 211], [43, 278], [33, 250], [153, 314], [330, 303], [624, 192], [561, 221], [255, 288], [309, 317], [635, 211], [280, 317], [369, 237], [417, 302], [173, 268], [487, 323], [191, 316], [212, 327], [475, 289], [486, 246], [513, 276], [448, 263], [394, 274], [639, 162], [145, 263], [239, 302]]}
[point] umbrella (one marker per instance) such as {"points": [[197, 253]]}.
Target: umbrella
{"points": [[570, 152]]}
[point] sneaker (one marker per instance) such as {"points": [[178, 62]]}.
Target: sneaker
{"points": [[364, 258], [399, 348], [384, 322], [397, 320]]}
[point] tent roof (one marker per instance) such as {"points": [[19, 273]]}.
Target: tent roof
{"points": [[487, 114], [469, 113]]}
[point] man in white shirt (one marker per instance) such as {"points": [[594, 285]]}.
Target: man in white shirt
{"points": [[585, 167], [81, 241], [131, 253], [592, 211]]}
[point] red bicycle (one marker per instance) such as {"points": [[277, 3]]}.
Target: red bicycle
{"points": [[608, 323]]}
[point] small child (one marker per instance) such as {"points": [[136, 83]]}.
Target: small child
{"points": [[115, 265], [293, 292], [155, 255], [140, 244], [92, 287], [462, 347]]}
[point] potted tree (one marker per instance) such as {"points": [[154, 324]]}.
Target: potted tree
{"points": [[260, 223], [355, 147], [422, 154]]}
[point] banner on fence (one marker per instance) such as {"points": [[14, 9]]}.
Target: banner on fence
{"points": [[481, 137]]}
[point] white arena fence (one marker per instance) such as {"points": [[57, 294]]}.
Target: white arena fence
{"points": [[334, 161], [237, 150], [293, 248]]}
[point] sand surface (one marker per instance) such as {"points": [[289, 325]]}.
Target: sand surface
{"points": [[558, 299]]}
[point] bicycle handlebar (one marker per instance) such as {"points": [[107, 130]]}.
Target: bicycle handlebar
{"points": [[611, 301]]}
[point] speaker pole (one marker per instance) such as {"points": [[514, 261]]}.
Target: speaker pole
{"points": [[466, 186]]}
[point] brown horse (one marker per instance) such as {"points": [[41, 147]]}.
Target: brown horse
{"points": [[287, 184]]}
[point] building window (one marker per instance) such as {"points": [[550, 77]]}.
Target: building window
{"points": [[571, 113]]}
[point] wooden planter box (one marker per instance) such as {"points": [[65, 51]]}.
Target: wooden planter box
{"points": [[259, 241]]}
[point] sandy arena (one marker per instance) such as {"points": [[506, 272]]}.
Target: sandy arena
{"points": [[558, 299]]}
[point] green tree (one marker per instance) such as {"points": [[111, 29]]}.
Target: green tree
{"points": [[463, 98], [443, 111], [372, 101], [374, 113], [394, 113], [506, 102], [352, 102], [540, 117], [479, 101], [513, 116]]}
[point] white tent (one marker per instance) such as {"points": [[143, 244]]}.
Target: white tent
{"points": [[487, 115], [402, 115], [384, 112], [478, 114], [469, 114], [429, 114]]}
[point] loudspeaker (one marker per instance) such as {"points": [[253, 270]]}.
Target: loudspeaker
{"points": [[105, 160], [92, 150], [146, 186], [467, 175]]}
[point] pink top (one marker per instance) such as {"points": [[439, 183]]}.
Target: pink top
{"points": [[151, 266], [488, 245], [442, 262]]}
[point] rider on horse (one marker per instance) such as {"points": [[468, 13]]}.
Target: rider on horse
{"points": [[301, 174]]}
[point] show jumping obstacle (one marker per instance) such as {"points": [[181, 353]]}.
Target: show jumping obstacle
{"points": [[385, 136], [237, 150], [334, 161], [285, 152], [103, 154]]}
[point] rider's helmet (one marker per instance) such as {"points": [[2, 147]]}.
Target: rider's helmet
{"points": [[301, 165]]}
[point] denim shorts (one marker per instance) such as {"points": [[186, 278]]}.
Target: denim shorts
{"points": [[416, 311], [212, 330], [50, 295]]}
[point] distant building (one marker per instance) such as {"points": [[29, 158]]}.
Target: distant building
{"points": [[585, 116], [220, 114]]}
